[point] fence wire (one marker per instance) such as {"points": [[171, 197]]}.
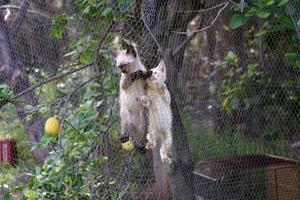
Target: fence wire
{"points": [[233, 72]]}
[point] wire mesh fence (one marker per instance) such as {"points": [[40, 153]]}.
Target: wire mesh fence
{"points": [[232, 71]]}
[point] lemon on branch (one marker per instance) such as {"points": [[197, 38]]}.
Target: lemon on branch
{"points": [[128, 146], [52, 126]]}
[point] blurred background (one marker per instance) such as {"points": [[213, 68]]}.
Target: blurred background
{"points": [[234, 78]]}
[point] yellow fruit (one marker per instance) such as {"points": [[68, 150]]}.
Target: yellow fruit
{"points": [[52, 126], [128, 146]]}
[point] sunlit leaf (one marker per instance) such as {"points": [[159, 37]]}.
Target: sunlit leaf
{"points": [[87, 57], [282, 2], [263, 14]]}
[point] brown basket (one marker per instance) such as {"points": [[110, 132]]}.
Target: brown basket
{"points": [[244, 176]]}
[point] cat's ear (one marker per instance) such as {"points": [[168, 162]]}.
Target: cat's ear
{"points": [[131, 51], [162, 67]]}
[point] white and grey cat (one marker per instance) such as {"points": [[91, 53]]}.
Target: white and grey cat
{"points": [[132, 84], [158, 100]]}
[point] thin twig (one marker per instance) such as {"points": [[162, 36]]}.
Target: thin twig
{"points": [[20, 17], [236, 4], [202, 10], [101, 42], [161, 49], [63, 68], [29, 11], [184, 43], [122, 193], [207, 27], [77, 131], [72, 93], [52, 78]]}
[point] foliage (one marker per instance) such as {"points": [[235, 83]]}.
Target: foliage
{"points": [[266, 91], [75, 167], [265, 9], [257, 103], [5, 93]]}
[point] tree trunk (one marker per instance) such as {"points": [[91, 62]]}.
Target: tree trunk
{"points": [[162, 17], [16, 78], [162, 178]]}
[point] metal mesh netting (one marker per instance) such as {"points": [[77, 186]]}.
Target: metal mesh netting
{"points": [[232, 72]]}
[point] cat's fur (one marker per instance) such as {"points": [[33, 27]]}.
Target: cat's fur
{"points": [[157, 100], [132, 84]]}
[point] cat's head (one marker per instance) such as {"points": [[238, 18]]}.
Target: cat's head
{"points": [[127, 60], [159, 74]]}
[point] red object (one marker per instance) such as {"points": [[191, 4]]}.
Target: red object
{"points": [[1, 143], [8, 151]]}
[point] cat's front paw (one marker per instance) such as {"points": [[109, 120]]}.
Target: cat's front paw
{"points": [[150, 145], [166, 159], [147, 74], [136, 75], [144, 100]]}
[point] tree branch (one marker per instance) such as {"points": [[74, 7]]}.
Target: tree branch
{"points": [[15, 7], [160, 48], [207, 27], [184, 43], [20, 17], [102, 38], [202, 10], [69, 97], [52, 78]]}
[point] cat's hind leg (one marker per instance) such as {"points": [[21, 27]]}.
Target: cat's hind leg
{"points": [[151, 138], [126, 127], [165, 150], [138, 124]]}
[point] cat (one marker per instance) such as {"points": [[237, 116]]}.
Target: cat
{"points": [[132, 84], [158, 100]]}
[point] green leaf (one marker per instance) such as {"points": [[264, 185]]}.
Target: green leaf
{"points": [[232, 58], [263, 14], [5, 93], [270, 2], [237, 21], [298, 64], [234, 103], [31, 194], [225, 103], [58, 26], [107, 11], [282, 2], [290, 55], [212, 88], [7, 196], [286, 21], [87, 57], [56, 32]]}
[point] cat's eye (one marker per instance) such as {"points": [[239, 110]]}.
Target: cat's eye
{"points": [[122, 66]]}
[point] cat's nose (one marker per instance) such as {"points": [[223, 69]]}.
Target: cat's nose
{"points": [[122, 67]]}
